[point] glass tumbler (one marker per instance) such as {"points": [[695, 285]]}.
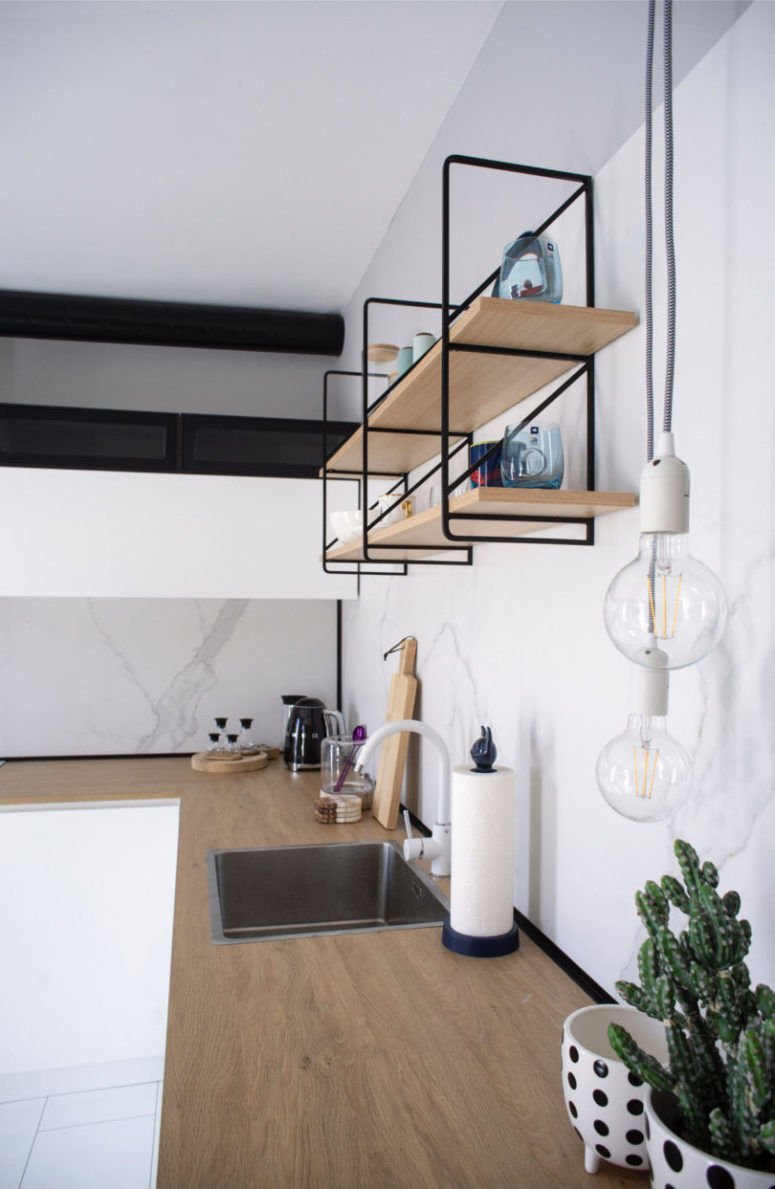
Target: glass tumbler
{"points": [[337, 768], [532, 456]]}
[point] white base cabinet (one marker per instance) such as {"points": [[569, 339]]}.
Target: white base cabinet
{"points": [[86, 904]]}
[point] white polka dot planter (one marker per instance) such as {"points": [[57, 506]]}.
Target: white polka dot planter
{"points": [[605, 1102], [675, 1164]]}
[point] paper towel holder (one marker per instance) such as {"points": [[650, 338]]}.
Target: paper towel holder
{"points": [[480, 947], [483, 753]]}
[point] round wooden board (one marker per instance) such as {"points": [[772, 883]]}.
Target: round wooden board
{"points": [[201, 762], [381, 352]]}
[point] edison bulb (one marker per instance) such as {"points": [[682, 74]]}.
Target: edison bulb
{"points": [[669, 597], [665, 597], [644, 774]]}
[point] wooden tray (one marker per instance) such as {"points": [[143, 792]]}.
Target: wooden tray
{"points": [[202, 762]]}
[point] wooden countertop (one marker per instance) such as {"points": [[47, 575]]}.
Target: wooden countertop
{"points": [[347, 1062]]}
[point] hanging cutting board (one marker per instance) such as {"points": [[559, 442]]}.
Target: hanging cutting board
{"points": [[392, 753]]}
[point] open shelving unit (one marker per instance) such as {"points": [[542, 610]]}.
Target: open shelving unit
{"points": [[492, 355], [421, 535]]}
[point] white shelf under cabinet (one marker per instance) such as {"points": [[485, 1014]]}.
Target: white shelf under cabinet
{"points": [[424, 530], [120, 534]]}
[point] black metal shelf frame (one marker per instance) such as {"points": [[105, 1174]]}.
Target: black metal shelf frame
{"points": [[584, 190], [449, 312], [359, 477]]}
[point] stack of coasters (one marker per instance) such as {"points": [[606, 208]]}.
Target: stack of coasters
{"points": [[338, 808]]}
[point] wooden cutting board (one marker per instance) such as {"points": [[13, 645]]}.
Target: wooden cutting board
{"points": [[392, 753]]}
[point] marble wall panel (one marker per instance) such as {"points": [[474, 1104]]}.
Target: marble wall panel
{"points": [[143, 676]]}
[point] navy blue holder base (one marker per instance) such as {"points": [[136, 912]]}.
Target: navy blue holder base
{"points": [[480, 947]]}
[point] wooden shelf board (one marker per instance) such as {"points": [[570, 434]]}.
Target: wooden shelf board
{"points": [[424, 529], [389, 453], [481, 386]]}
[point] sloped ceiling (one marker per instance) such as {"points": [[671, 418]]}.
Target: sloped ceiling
{"points": [[249, 153], [252, 152]]}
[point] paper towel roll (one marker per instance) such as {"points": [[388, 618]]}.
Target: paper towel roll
{"points": [[482, 887]]}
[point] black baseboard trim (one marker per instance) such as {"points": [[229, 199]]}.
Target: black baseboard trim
{"points": [[580, 977], [561, 959], [155, 755]]}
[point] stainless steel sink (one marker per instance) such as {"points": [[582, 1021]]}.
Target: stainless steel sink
{"points": [[272, 892]]}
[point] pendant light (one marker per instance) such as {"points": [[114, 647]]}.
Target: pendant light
{"points": [[664, 610], [665, 596]]}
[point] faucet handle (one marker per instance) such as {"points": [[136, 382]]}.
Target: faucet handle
{"points": [[414, 848]]}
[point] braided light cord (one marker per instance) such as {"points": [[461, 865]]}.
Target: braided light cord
{"points": [[649, 238], [669, 240], [667, 413]]}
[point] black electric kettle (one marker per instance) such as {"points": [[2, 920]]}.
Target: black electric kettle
{"points": [[308, 724]]}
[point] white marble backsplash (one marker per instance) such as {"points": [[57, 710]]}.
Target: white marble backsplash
{"points": [[144, 676]]}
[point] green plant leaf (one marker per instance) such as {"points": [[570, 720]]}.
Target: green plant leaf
{"points": [[704, 983], [665, 998], [767, 1136], [741, 975], [689, 863], [722, 1143], [765, 1001], [675, 892], [709, 874], [701, 940], [642, 1064], [634, 995], [674, 961], [745, 929], [753, 1062]]}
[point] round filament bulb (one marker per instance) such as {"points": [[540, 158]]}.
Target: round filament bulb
{"points": [[644, 774], [666, 595]]}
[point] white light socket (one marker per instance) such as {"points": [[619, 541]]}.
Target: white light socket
{"points": [[649, 684], [664, 491]]}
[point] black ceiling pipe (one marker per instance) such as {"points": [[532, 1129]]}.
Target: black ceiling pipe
{"points": [[168, 323]]}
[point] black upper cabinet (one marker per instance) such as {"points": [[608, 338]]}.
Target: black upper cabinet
{"points": [[87, 439], [281, 447], [117, 440]]}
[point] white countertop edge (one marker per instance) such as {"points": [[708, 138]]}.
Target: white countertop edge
{"points": [[117, 803]]}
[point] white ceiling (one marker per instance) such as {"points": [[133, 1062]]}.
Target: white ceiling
{"points": [[254, 152], [251, 153]]}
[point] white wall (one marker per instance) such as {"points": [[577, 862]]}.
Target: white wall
{"points": [[518, 640], [148, 676], [86, 934]]}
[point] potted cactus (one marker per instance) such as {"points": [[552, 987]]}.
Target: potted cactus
{"points": [[711, 1111]]}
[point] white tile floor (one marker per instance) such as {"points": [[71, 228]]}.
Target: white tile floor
{"points": [[93, 1127]]}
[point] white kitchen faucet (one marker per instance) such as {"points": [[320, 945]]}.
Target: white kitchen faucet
{"points": [[437, 847]]}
